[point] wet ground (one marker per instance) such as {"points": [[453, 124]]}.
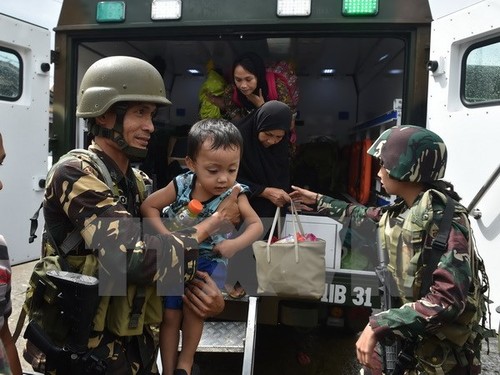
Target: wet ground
{"points": [[332, 354], [332, 351]]}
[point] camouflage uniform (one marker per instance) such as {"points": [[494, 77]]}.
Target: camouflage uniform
{"points": [[407, 233], [113, 246], [77, 197]]}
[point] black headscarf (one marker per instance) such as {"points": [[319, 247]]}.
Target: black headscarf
{"points": [[263, 167]]}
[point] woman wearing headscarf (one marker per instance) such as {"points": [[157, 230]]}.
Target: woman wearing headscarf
{"points": [[265, 164], [265, 169]]}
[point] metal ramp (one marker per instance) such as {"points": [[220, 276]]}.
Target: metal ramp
{"points": [[223, 337], [231, 336]]}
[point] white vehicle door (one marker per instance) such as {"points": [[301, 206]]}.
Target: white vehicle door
{"points": [[24, 110], [464, 108]]}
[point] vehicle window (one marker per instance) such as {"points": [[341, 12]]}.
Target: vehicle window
{"points": [[481, 74], [10, 75]]}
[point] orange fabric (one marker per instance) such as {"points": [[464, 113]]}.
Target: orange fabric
{"points": [[365, 172], [360, 170]]}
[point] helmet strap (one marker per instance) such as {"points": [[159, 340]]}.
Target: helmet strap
{"points": [[116, 135]]}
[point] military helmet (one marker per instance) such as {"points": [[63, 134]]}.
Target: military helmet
{"points": [[411, 153], [119, 79]]}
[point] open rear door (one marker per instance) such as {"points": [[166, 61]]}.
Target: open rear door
{"points": [[24, 110], [464, 108]]}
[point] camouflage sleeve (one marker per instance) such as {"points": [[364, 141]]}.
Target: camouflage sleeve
{"points": [[344, 212], [445, 301], [109, 230]]}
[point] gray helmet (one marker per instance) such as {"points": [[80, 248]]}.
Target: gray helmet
{"points": [[119, 79], [411, 153]]}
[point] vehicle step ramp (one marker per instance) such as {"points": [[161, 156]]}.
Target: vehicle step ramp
{"points": [[231, 336]]}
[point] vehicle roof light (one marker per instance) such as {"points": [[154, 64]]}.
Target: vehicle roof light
{"points": [[290, 8], [166, 10], [395, 71], [359, 7], [110, 11]]}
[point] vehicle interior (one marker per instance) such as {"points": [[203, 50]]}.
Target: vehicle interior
{"points": [[345, 83]]}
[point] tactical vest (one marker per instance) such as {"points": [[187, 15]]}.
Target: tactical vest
{"points": [[404, 237], [121, 315]]}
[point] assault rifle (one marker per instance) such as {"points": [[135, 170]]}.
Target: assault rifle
{"points": [[77, 302], [387, 288], [395, 361]]}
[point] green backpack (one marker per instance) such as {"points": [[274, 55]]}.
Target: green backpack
{"points": [[443, 350]]}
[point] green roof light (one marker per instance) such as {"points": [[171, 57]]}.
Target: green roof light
{"points": [[359, 7], [110, 11]]}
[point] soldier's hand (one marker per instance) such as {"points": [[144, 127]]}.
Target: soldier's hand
{"points": [[203, 297], [365, 347], [303, 195]]}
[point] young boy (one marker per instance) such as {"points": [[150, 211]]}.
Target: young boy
{"points": [[213, 156]]}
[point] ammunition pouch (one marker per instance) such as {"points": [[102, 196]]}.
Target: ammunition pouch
{"points": [[41, 302], [127, 315], [435, 357], [56, 299]]}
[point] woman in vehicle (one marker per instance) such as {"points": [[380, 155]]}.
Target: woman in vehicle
{"points": [[253, 85]]}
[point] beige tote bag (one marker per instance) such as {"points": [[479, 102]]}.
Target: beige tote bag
{"points": [[295, 269]]}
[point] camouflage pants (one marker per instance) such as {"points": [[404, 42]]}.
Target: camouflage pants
{"points": [[134, 355]]}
